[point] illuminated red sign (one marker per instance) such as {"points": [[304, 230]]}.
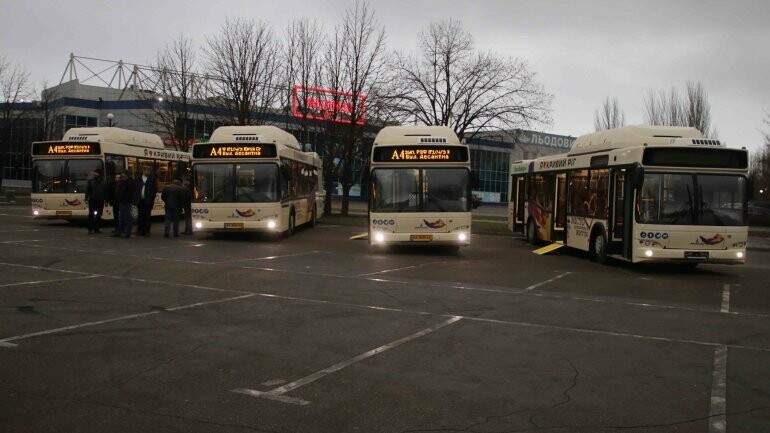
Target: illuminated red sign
{"points": [[325, 104]]}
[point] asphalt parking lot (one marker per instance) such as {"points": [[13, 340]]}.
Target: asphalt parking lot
{"points": [[318, 333]]}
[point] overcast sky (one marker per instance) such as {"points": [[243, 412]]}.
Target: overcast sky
{"points": [[582, 51]]}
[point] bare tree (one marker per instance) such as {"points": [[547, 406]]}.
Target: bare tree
{"points": [[760, 166], [245, 57], [50, 109], [332, 79], [305, 40], [15, 87], [450, 83], [363, 66], [691, 109], [609, 116], [177, 88]]}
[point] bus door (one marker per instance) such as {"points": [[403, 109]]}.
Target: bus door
{"points": [[622, 211], [560, 209], [516, 204]]}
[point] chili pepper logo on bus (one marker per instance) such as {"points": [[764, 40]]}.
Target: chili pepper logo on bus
{"points": [[439, 223]]}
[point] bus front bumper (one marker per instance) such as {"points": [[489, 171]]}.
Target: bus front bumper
{"points": [[728, 257], [236, 226], [458, 238]]}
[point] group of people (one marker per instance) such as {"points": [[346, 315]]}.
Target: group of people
{"points": [[125, 192]]}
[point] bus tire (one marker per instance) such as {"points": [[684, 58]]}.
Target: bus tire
{"points": [[599, 246], [290, 230], [313, 218], [531, 232]]}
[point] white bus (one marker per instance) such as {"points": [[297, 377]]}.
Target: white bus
{"points": [[60, 169], [637, 193], [255, 178], [420, 187]]}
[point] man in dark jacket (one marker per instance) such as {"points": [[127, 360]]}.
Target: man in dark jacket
{"points": [[95, 199], [144, 197], [110, 187], [187, 205], [125, 196], [173, 196]]}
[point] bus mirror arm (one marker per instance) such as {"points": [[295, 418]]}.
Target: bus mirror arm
{"points": [[637, 175]]}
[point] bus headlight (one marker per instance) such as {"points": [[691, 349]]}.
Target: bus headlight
{"points": [[648, 253], [271, 224], [379, 237], [462, 237], [35, 212], [199, 225], [739, 254]]}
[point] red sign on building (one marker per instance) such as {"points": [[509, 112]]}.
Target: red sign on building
{"points": [[325, 104]]}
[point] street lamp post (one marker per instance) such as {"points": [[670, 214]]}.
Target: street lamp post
{"points": [[110, 116]]}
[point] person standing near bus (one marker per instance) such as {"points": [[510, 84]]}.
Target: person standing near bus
{"points": [[124, 195], [95, 199], [187, 206], [173, 196], [110, 197], [144, 197]]}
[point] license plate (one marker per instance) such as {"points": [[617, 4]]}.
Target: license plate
{"points": [[696, 255], [64, 213], [421, 237], [233, 225]]}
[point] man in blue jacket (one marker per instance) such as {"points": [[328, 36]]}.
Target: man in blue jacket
{"points": [[144, 197]]}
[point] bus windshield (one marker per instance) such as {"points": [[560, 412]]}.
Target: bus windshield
{"points": [[420, 190], [236, 183], [63, 176], [692, 199]]}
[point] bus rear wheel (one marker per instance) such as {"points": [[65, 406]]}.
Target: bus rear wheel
{"points": [[531, 232]]}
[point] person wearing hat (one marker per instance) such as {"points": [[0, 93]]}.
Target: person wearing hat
{"points": [[95, 200]]}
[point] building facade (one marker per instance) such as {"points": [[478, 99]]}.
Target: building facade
{"points": [[73, 104]]}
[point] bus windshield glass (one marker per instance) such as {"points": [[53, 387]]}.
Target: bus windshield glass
{"points": [[692, 199], [420, 190], [63, 176], [236, 183]]}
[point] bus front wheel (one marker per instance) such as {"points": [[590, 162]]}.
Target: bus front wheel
{"points": [[290, 230], [599, 247], [531, 232], [313, 218]]}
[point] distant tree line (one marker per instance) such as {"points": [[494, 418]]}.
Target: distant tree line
{"points": [[249, 69]]}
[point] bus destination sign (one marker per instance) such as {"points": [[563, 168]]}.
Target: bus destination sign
{"points": [[43, 149], [209, 150], [420, 154]]}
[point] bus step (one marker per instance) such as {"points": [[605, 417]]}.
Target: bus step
{"points": [[548, 248]]}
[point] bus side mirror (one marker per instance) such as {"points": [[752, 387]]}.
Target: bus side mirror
{"points": [[475, 201], [475, 179], [637, 175]]}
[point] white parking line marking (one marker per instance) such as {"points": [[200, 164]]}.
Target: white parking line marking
{"points": [[725, 299], [58, 280], [278, 392], [718, 407], [550, 280], [397, 269], [273, 257], [4, 342]]}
